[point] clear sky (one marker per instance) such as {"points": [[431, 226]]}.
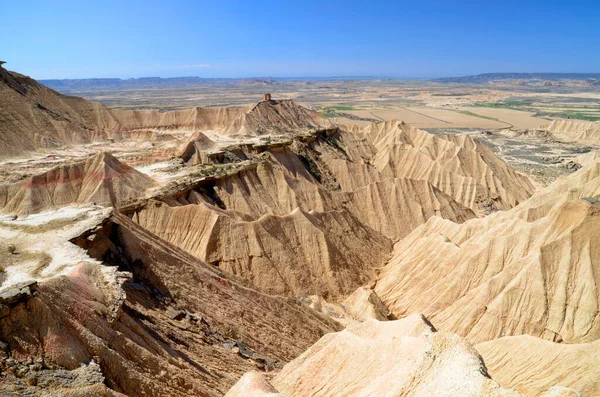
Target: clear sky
{"points": [[289, 38]]}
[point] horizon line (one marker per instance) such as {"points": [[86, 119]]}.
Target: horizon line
{"points": [[314, 77]]}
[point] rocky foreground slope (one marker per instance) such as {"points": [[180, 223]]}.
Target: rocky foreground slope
{"points": [[398, 358], [528, 271]]}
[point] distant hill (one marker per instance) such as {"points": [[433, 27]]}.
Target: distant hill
{"points": [[67, 84], [486, 77]]}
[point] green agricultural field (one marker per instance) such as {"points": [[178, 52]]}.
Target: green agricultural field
{"points": [[340, 107], [508, 104], [477, 115], [579, 116], [326, 113]]}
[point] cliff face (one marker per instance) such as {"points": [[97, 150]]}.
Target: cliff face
{"points": [[173, 327]]}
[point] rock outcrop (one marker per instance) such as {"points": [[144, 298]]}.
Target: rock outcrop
{"points": [[525, 271], [101, 179], [33, 116], [300, 253], [124, 322], [401, 358], [277, 117], [586, 132], [196, 149], [315, 216]]}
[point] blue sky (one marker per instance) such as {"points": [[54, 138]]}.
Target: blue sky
{"points": [[289, 38]]}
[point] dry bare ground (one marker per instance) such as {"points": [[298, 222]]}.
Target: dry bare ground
{"points": [[265, 240]]}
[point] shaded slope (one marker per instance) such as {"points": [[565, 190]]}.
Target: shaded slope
{"points": [[166, 331], [33, 116], [300, 253]]}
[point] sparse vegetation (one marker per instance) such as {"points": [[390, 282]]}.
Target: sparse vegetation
{"points": [[12, 249], [515, 105], [579, 116], [327, 114], [214, 170], [340, 107], [331, 111], [477, 115]]}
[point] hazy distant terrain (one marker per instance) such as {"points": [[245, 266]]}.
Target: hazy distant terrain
{"points": [[486, 77]]}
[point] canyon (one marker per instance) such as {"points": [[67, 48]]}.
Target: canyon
{"points": [[267, 250]]}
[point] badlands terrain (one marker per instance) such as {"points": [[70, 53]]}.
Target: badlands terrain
{"points": [[347, 238]]}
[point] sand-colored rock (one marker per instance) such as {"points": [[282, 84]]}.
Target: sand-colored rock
{"points": [[530, 270], [458, 165], [300, 253], [277, 117], [396, 358], [364, 304], [195, 150], [535, 366], [587, 132], [252, 384], [526, 271], [33, 116], [101, 179], [315, 216], [311, 213], [587, 158], [286, 225], [126, 324]]}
